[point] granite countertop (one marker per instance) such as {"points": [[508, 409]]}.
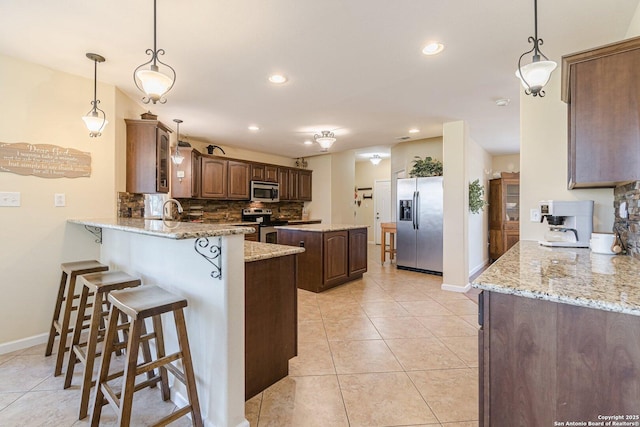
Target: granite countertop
{"points": [[169, 229], [304, 221], [320, 227], [566, 275], [256, 251]]}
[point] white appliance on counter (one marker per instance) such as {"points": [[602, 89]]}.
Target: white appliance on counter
{"points": [[419, 224], [266, 192], [570, 223]]}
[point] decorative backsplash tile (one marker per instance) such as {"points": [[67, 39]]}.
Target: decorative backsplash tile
{"points": [[130, 205], [629, 228]]}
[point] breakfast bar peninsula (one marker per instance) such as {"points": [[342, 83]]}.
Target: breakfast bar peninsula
{"points": [[205, 264]]}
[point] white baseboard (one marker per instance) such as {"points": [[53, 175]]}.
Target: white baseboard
{"points": [[479, 267], [456, 288], [23, 343]]}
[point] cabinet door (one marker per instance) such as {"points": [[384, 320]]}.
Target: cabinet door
{"points": [[335, 255], [604, 125], [185, 177], [304, 188], [294, 185], [271, 173], [283, 180], [257, 172], [162, 161], [357, 251], [238, 180], [214, 178], [195, 174], [511, 237]]}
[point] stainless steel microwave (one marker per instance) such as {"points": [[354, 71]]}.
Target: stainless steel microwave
{"points": [[268, 192]]}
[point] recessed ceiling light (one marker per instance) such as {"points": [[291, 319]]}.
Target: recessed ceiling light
{"points": [[308, 142], [414, 130], [433, 48], [254, 128], [503, 102], [277, 79]]}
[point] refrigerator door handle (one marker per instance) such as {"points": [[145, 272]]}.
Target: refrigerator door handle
{"points": [[413, 211], [417, 210]]}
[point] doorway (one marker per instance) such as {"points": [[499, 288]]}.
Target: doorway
{"points": [[382, 206]]}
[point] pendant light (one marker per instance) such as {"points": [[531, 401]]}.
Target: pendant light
{"points": [[95, 119], [151, 80], [535, 75], [325, 140], [177, 157], [375, 159]]}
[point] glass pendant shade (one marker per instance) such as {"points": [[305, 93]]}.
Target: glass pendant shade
{"points": [[325, 140], [154, 83], [536, 75], [94, 123], [375, 159], [177, 157]]}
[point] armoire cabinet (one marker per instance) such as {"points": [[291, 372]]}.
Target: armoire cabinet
{"points": [[504, 214]]}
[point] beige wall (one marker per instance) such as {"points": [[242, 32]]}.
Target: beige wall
{"points": [[478, 161], [236, 152], [505, 163], [43, 106], [366, 174], [543, 151], [320, 206], [343, 171], [634, 26]]}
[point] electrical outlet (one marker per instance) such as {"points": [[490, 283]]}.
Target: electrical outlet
{"points": [[10, 199], [534, 215], [59, 200]]}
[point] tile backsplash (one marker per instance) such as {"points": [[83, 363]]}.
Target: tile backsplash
{"points": [[629, 228]]}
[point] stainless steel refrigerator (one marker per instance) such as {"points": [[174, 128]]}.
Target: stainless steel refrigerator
{"points": [[419, 224]]}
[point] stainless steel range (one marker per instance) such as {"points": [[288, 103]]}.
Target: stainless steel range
{"points": [[262, 217]]}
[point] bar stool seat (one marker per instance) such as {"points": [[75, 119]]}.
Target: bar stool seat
{"points": [[60, 324], [141, 303], [85, 351], [387, 227]]}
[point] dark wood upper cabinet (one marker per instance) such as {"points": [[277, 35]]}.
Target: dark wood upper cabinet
{"points": [[271, 173], [185, 177], [283, 180], [257, 172], [214, 178], [238, 180], [304, 186], [602, 89], [294, 184], [147, 156]]}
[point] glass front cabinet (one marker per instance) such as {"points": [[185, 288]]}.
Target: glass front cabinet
{"points": [[504, 214]]}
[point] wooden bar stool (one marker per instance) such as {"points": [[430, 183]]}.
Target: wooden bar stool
{"points": [[387, 227], [60, 324], [140, 303], [85, 351]]}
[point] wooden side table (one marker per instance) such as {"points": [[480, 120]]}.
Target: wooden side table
{"points": [[387, 227]]}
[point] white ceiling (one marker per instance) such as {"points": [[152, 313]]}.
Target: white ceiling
{"points": [[353, 65]]}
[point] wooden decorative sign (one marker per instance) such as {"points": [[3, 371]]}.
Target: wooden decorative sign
{"points": [[44, 160]]}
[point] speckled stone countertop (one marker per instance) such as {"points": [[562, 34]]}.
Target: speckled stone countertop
{"points": [[320, 227], [169, 229], [256, 251], [566, 275]]}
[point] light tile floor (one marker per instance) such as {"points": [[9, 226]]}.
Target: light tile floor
{"points": [[391, 349]]}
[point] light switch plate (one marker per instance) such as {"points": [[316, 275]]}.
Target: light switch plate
{"points": [[534, 215], [10, 199], [59, 200]]}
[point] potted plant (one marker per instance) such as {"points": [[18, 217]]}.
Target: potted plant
{"points": [[425, 167], [476, 194]]}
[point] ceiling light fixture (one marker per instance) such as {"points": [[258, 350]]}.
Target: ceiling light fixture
{"points": [[177, 157], [94, 122], [153, 82], [253, 128], [503, 102], [325, 140], [277, 79], [414, 130], [433, 48], [375, 159], [535, 75], [308, 142]]}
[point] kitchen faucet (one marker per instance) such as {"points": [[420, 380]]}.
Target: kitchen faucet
{"points": [[164, 208]]}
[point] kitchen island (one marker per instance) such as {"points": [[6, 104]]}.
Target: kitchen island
{"points": [[271, 313], [205, 264], [334, 253], [560, 338]]}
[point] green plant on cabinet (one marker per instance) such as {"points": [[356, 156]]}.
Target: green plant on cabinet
{"points": [[425, 167]]}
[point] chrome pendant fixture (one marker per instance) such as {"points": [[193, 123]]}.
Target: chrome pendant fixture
{"points": [[95, 119], [176, 156], [375, 159], [325, 140], [149, 77], [535, 75]]}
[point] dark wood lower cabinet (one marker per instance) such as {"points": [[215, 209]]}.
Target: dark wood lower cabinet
{"points": [[331, 258], [271, 321], [542, 362]]}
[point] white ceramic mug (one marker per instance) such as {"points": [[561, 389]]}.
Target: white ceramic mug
{"points": [[601, 243]]}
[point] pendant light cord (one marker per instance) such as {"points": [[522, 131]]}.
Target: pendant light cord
{"points": [[155, 20], [95, 84]]}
